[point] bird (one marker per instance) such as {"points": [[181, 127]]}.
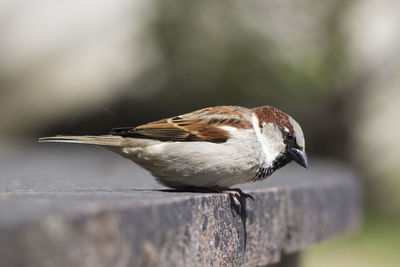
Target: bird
{"points": [[210, 148]]}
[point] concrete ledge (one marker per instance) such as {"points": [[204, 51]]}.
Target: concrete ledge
{"points": [[57, 210]]}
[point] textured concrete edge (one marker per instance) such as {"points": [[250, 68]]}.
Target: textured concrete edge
{"points": [[197, 231], [318, 213]]}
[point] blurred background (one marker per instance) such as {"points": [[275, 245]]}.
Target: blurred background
{"points": [[84, 67]]}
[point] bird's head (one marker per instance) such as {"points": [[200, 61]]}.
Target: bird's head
{"points": [[280, 136]]}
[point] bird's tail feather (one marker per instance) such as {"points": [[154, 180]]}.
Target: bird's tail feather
{"points": [[102, 140]]}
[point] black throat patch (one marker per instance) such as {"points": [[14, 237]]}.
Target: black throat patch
{"points": [[263, 172]]}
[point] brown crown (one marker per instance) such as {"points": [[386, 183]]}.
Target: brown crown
{"points": [[270, 114]]}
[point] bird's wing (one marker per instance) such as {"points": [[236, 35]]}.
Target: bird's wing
{"points": [[201, 125]]}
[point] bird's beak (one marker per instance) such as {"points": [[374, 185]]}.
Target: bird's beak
{"points": [[299, 156]]}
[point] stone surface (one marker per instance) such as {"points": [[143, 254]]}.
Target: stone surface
{"points": [[70, 205]]}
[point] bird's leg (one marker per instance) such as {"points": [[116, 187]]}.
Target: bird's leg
{"points": [[242, 194], [234, 196], [234, 193]]}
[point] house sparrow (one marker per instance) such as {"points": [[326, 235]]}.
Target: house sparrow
{"points": [[215, 147]]}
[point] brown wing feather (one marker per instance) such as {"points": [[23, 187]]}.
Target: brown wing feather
{"points": [[200, 125]]}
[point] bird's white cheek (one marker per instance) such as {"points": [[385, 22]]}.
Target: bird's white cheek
{"points": [[270, 139], [298, 133]]}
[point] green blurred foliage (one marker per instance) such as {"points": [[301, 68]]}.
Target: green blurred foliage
{"points": [[376, 244], [206, 50]]}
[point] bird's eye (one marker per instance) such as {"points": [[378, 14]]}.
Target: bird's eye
{"points": [[289, 136]]}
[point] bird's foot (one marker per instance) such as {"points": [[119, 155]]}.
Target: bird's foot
{"points": [[236, 195], [241, 193]]}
